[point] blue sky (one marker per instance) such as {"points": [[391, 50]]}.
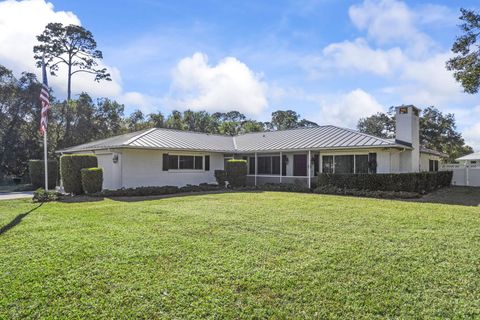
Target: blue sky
{"points": [[331, 61]]}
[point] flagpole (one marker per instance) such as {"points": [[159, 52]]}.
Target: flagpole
{"points": [[45, 158]]}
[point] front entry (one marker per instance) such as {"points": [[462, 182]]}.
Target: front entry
{"points": [[300, 165]]}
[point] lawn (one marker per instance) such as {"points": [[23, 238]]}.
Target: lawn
{"points": [[240, 255]]}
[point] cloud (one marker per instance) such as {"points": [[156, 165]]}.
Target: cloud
{"points": [[229, 85], [472, 136], [392, 22], [346, 109], [359, 56]]}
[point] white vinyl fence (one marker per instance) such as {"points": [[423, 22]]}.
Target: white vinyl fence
{"points": [[464, 174]]}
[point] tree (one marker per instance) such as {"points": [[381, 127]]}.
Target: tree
{"points": [[437, 131], [466, 64], [288, 119], [380, 125], [136, 121], [156, 120], [73, 46]]}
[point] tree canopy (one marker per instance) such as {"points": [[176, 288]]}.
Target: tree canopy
{"points": [[72, 46], [438, 131], [466, 63]]}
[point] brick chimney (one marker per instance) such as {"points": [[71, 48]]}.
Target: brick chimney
{"points": [[407, 133]]}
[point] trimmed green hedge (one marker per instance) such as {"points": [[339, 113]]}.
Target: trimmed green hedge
{"points": [[70, 166], [40, 195], [92, 179], [236, 172], [420, 182], [36, 169], [220, 177]]}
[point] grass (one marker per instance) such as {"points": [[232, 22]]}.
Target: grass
{"points": [[240, 255]]}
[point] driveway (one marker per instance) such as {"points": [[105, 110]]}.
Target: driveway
{"points": [[15, 195]]}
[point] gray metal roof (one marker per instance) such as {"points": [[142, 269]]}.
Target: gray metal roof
{"points": [[471, 156], [322, 137]]}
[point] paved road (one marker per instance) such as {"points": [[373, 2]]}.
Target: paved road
{"points": [[15, 195]]}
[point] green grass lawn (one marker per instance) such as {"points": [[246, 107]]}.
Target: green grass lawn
{"points": [[240, 255]]}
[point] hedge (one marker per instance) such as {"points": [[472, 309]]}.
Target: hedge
{"points": [[36, 169], [92, 179], [420, 182], [70, 166], [221, 177], [157, 191], [236, 172], [41, 195]]}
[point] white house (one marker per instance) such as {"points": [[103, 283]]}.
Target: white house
{"points": [[158, 157]]}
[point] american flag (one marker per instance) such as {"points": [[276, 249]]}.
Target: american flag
{"points": [[44, 100]]}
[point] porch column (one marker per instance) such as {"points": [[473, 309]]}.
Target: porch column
{"points": [[281, 166], [309, 164], [256, 166]]}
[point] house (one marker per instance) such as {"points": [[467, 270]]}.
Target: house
{"points": [[473, 158], [157, 157]]}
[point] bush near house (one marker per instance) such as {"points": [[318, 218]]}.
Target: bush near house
{"points": [[92, 179], [221, 177], [410, 182], [36, 169], [70, 166], [236, 172], [41, 195]]}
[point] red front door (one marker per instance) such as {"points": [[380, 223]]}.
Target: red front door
{"points": [[300, 165]]}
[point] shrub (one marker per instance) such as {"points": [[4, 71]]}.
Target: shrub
{"points": [[70, 166], [221, 177], [328, 189], [92, 179], [419, 182], [36, 169], [40, 195], [236, 172]]}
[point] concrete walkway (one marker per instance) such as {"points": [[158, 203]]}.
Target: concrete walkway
{"points": [[15, 195]]}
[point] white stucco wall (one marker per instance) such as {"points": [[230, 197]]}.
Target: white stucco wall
{"points": [[424, 161], [144, 168]]}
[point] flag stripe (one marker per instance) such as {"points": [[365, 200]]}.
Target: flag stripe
{"points": [[45, 100]]}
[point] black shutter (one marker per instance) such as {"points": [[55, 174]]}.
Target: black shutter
{"points": [[165, 162], [207, 163], [316, 164]]}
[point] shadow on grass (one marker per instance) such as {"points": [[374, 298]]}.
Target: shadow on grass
{"points": [[17, 220], [462, 196]]}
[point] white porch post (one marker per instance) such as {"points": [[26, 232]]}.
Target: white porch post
{"points": [[256, 166], [281, 166], [309, 165]]}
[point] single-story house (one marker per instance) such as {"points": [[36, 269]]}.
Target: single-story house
{"points": [[157, 157]]}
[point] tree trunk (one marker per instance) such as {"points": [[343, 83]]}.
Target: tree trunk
{"points": [[69, 85]]}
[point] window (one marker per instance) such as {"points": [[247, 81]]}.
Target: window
{"points": [[316, 164], [344, 164], [361, 163], [172, 162], [268, 165], [327, 164], [432, 165], [175, 162]]}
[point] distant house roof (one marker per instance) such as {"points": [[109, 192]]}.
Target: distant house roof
{"points": [[322, 137], [433, 152], [472, 156]]}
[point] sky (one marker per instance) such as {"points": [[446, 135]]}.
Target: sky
{"points": [[331, 61]]}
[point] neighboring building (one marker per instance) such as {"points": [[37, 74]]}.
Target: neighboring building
{"points": [[157, 157], [473, 158]]}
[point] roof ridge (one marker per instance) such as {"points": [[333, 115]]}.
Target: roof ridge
{"points": [[283, 130], [138, 136], [196, 132]]}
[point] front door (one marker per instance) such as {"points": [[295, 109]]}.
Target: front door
{"points": [[300, 165]]}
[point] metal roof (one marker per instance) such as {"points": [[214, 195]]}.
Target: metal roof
{"points": [[322, 137], [471, 156]]}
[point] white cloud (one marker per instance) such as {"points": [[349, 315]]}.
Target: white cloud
{"points": [[390, 21], [346, 109], [20, 23], [229, 85], [359, 56], [472, 136]]}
